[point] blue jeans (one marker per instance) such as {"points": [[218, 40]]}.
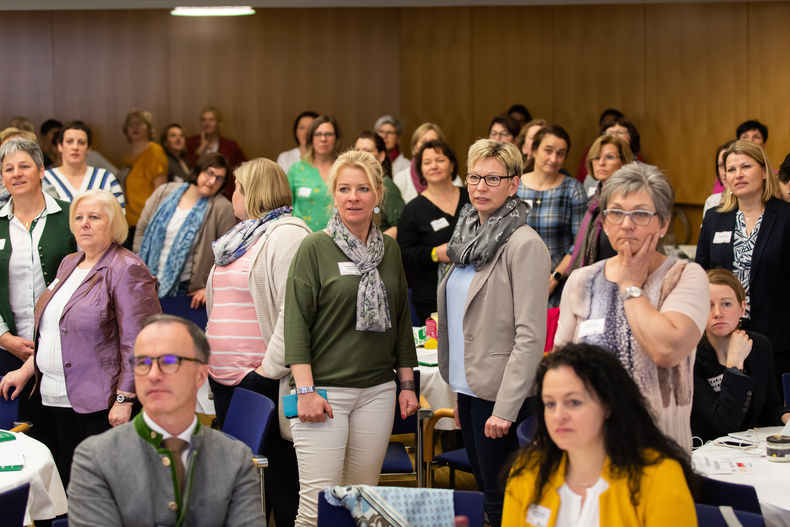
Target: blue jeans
{"points": [[490, 458]]}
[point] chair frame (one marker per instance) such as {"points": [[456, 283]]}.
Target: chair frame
{"points": [[429, 447]]}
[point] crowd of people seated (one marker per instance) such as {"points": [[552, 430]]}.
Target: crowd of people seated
{"points": [[313, 269]]}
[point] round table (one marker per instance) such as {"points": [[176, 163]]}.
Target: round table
{"points": [[47, 497], [771, 480]]}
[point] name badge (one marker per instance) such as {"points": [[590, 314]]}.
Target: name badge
{"points": [[348, 268], [722, 237], [53, 284], [594, 326], [538, 515], [440, 224], [591, 191], [304, 192], [528, 202], [2, 244]]}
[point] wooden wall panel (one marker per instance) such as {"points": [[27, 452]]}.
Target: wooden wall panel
{"points": [[597, 59], [435, 73], [695, 61], [106, 63], [768, 75], [510, 63], [26, 67]]}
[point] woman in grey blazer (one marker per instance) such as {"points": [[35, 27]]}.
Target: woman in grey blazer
{"points": [[492, 314]]}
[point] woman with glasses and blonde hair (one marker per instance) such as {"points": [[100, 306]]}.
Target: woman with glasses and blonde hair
{"points": [[749, 234], [492, 315], [86, 324], [178, 225], [245, 296], [308, 177], [646, 308]]}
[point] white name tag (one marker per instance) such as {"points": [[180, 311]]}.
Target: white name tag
{"points": [[347, 268], [440, 224], [538, 515], [593, 326], [2, 244], [304, 192], [591, 191], [722, 237], [53, 284], [528, 202]]}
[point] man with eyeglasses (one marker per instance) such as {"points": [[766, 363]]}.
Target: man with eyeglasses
{"points": [[163, 467]]}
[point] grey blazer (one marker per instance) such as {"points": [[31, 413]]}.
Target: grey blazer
{"points": [[504, 323], [120, 478]]}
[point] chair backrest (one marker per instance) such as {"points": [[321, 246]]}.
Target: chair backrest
{"points": [[249, 418], [710, 516], [737, 496], [180, 307], [408, 425], [786, 387], [13, 504], [526, 431], [467, 503], [8, 412]]}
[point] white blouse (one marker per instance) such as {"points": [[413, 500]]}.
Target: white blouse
{"points": [[574, 513]]}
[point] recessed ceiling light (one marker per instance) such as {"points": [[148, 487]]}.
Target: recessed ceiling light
{"points": [[213, 11]]}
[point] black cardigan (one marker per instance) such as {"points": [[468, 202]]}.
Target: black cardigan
{"points": [[769, 285], [746, 399]]}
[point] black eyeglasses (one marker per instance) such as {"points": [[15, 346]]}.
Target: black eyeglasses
{"points": [[638, 217], [491, 181], [167, 363]]}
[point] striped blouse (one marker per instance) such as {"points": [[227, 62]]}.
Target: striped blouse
{"points": [[237, 346], [95, 178]]}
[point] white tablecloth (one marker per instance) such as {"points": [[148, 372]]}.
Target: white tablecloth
{"points": [[47, 498], [771, 480], [433, 387]]}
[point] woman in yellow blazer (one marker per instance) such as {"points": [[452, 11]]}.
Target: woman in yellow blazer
{"points": [[597, 458], [492, 314]]}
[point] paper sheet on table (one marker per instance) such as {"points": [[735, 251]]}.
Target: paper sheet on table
{"points": [[757, 435], [709, 465], [11, 457], [786, 430], [427, 357]]}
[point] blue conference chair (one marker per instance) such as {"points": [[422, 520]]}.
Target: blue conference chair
{"points": [[467, 503], [710, 516], [8, 412], [786, 387], [738, 496], [179, 306], [526, 431], [249, 419], [13, 504], [397, 460]]}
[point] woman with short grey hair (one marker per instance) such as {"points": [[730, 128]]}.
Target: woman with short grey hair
{"points": [[647, 308], [390, 129]]}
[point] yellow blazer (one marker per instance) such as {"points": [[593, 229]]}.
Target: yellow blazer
{"points": [[664, 498]]}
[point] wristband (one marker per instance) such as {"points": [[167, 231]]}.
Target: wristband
{"points": [[408, 385], [434, 256], [305, 389]]}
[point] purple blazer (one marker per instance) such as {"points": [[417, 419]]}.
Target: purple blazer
{"points": [[99, 325]]}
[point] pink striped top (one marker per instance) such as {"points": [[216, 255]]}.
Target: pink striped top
{"points": [[237, 346]]}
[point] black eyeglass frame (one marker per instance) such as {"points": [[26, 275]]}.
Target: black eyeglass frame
{"points": [[485, 179], [138, 362]]}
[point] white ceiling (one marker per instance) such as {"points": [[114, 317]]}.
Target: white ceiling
{"points": [[31, 5]]}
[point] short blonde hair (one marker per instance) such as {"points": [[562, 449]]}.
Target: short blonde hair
{"points": [[364, 161], [145, 116], [420, 131], [623, 150], [505, 153], [11, 132], [771, 187], [264, 186], [119, 229]]}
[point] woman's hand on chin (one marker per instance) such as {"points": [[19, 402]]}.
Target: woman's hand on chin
{"points": [[634, 266], [739, 348]]}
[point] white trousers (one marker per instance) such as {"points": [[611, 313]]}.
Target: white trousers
{"points": [[346, 450]]}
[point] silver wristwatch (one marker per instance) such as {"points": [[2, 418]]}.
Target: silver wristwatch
{"points": [[631, 291]]}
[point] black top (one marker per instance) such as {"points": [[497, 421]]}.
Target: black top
{"points": [[417, 237], [769, 281], [746, 399]]}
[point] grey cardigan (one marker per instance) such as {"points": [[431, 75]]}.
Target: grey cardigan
{"points": [[121, 478], [504, 323], [218, 220]]}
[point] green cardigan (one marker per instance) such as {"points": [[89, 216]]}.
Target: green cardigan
{"points": [[56, 242]]}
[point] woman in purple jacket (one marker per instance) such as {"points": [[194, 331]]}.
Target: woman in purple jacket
{"points": [[86, 323]]}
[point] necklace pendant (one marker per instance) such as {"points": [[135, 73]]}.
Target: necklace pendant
{"points": [[537, 202]]}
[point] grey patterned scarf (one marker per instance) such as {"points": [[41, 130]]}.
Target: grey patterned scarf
{"points": [[476, 244], [373, 311]]}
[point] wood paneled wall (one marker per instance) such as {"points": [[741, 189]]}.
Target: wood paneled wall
{"points": [[686, 74]]}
